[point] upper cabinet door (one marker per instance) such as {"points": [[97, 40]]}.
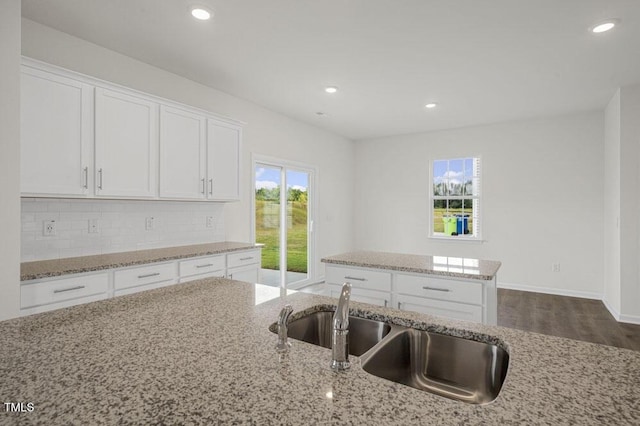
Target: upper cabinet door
{"points": [[126, 136], [56, 134], [223, 160], [182, 154]]}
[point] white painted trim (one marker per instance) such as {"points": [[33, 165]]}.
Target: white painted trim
{"points": [[551, 290], [611, 309], [631, 319]]}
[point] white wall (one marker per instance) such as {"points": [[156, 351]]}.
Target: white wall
{"points": [[121, 226], [266, 132], [612, 204], [10, 157], [542, 198], [630, 203]]}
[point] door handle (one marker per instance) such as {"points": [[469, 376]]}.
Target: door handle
{"points": [[436, 289], [155, 274], [86, 178], [69, 289]]}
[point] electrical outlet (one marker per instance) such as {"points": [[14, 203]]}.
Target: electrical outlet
{"points": [[93, 226], [555, 267], [49, 228], [210, 220], [149, 223]]}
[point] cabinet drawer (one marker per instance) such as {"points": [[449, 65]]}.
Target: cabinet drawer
{"points": [[243, 258], [359, 278], [364, 296], [54, 291], [441, 308], [438, 288], [143, 275], [201, 265]]}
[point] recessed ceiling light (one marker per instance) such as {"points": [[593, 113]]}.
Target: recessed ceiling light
{"points": [[331, 89], [201, 13], [431, 105], [604, 26]]}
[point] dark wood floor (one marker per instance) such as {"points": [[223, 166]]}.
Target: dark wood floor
{"points": [[571, 317]]}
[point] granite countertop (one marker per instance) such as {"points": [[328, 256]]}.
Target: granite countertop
{"points": [[201, 353], [459, 267], [75, 265]]}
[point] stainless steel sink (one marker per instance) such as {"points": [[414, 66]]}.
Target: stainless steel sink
{"points": [[317, 327], [453, 367]]}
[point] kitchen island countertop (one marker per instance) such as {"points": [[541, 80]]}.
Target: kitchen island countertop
{"points": [[457, 267], [201, 353]]}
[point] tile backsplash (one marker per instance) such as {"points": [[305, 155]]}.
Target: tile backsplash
{"points": [[120, 225]]}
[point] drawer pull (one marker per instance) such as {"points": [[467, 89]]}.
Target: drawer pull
{"points": [[437, 289], [155, 274], [354, 278], [204, 266], [246, 258], [62, 290]]}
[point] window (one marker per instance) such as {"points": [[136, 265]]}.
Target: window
{"points": [[455, 198]]}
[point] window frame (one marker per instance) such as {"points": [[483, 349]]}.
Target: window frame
{"points": [[477, 212]]}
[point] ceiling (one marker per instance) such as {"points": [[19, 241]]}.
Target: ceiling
{"points": [[481, 61]]}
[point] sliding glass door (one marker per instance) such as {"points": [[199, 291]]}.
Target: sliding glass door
{"points": [[283, 221]]}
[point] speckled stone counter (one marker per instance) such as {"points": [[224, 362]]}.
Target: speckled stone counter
{"points": [[74, 265], [422, 264], [201, 353]]}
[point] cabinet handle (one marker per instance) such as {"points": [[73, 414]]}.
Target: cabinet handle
{"points": [[204, 266], [436, 289], [210, 186], [354, 278], [399, 303], [68, 289], [386, 303], [246, 258], [99, 178], [230, 276], [202, 180], [86, 178], [155, 274]]}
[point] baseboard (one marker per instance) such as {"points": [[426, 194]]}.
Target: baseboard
{"points": [[550, 290], [631, 319], [611, 310]]}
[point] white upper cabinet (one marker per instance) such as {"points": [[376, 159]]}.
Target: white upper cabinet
{"points": [[223, 160], [126, 140], [84, 137], [182, 154], [56, 134]]}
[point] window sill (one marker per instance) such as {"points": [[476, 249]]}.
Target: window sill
{"points": [[457, 238]]}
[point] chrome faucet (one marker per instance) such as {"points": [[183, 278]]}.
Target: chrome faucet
{"points": [[340, 334], [283, 344]]}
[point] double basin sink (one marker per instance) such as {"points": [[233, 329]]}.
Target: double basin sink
{"points": [[453, 367]]}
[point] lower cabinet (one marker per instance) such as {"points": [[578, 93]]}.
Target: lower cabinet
{"points": [[48, 294], [244, 266], [133, 280], [365, 296], [202, 267], [450, 297]]}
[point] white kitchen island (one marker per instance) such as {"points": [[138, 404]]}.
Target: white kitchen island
{"points": [[451, 287]]}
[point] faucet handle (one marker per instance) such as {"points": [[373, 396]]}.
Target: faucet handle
{"points": [[283, 344]]}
